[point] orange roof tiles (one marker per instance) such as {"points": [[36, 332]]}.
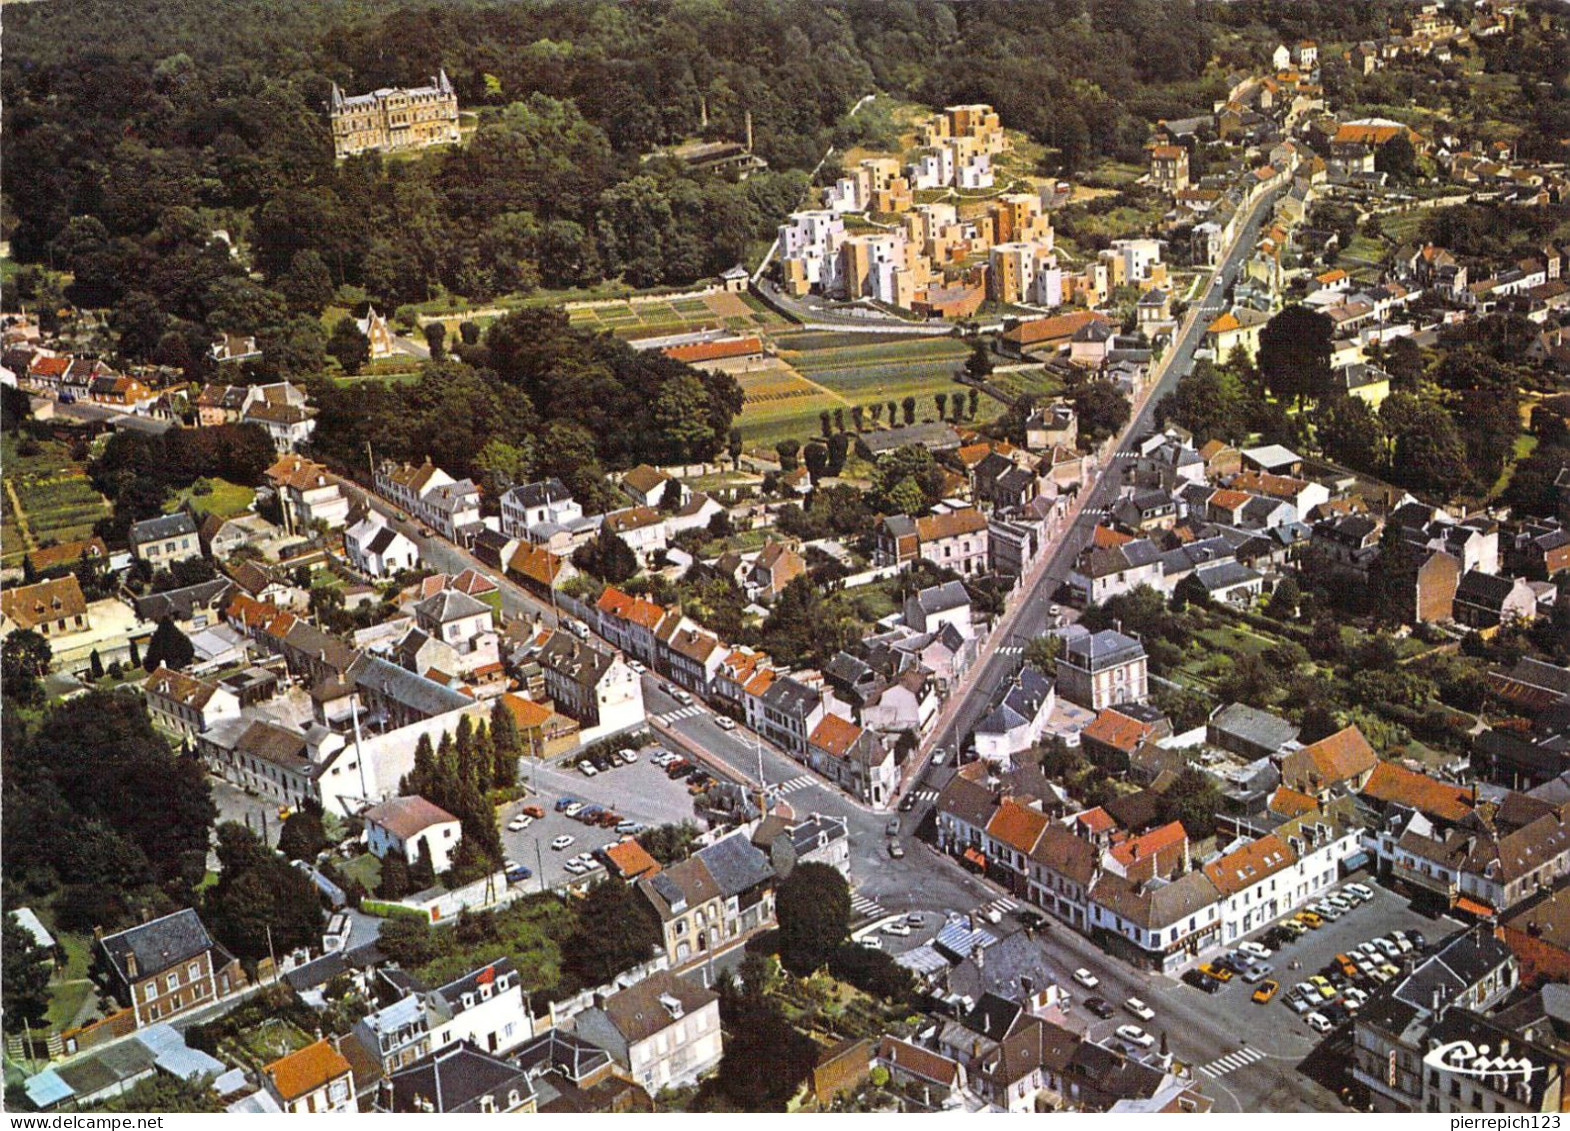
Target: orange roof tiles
{"points": [[1016, 825], [835, 735], [526, 712], [1246, 866], [1290, 803], [1117, 730], [631, 859], [301, 1073], [1060, 328], [1106, 538], [1150, 846], [715, 350], [1229, 500], [1342, 756], [537, 564], [1097, 820], [966, 520], [1394, 784]]}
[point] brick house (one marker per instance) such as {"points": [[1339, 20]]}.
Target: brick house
{"points": [[167, 967]]}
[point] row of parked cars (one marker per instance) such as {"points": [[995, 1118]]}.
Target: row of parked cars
{"points": [[676, 768], [1247, 962], [1326, 999], [603, 761]]}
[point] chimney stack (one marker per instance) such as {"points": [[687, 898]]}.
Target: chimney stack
{"points": [[749, 131]]}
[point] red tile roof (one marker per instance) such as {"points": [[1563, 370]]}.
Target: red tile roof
{"points": [[1016, 825], [1394, 784]]}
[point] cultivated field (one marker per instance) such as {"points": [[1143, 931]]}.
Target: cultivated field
{"points": [[47, 499], [818, 371], [656, 316]]}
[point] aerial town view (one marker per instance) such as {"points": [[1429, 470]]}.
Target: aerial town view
{"points": [[859, 556]]}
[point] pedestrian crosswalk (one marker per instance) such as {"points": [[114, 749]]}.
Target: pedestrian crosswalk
{"points": [[1097, 512], [1002, 905], [925, 795], [801, 781], [680, 713], [1012, 650], [865, 907], [1231, 1063]]}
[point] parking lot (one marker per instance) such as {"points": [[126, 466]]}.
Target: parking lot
{"points": [[640, 792], [1274, 1028]]}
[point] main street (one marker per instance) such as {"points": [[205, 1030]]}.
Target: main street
{"points": [[1030, 619], [920, 880]]}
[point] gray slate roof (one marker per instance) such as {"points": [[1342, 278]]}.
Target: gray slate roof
{"points": [[165, 526], [158, 945]]}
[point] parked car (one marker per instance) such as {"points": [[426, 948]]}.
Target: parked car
{"points": [[1086, 978], [907, 803], [1139, 1009], [627, 756], [563, 802], [1202, 981], [1363, 890], [574, 809], [898, 927], [518, 873], [519, 823], [896, 850], [637, 666], [587, 767], [1255, 949], [533, 811], [1319, 1022], [1265, 991], [1257, 973], [892, 828], [725, 722], [1134, 1035], [1100, 1006], [1035, 920], [872, 942], [1218, 972], [562, 842]]}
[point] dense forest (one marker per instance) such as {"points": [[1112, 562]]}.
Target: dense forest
{"points": [[148, 126], [145, 126]]}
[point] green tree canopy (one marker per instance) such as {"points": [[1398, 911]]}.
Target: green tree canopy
{"points": [[813, 907]]}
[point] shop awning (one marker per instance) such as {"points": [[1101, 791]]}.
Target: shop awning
{"points": [[1473, 907], [1353, 862]]}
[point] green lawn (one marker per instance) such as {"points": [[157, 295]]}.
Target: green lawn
{"points": [[366, 869], [225, 499], [66, 1000]]}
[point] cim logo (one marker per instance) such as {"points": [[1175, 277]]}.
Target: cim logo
{"points": [[1466, 1059]]}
